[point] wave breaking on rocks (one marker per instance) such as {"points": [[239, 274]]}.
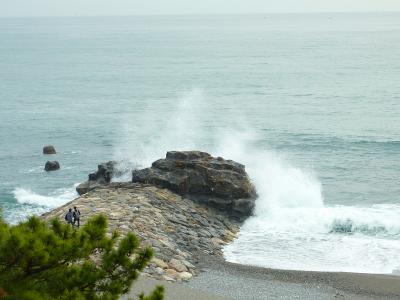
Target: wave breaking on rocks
{"points": [[186, 205]]}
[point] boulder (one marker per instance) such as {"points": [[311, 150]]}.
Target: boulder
{"points": [[52, 166], [160, 263], [185, 276], [105, 172], [103, 175], [49, 149], [217, 182], [177, 265]]}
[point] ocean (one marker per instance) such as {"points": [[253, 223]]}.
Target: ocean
{"points": [[310, 103]]}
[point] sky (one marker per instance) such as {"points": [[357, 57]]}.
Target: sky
{"points": [[21, 8]]}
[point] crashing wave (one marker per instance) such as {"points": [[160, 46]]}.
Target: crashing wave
{"points": [[348, 226], [58, 198]]}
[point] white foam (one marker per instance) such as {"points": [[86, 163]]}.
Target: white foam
{"points": [[55, 199], [302, 239], [293, 229]]}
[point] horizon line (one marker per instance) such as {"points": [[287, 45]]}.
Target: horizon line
{"points": [[202, 14]]}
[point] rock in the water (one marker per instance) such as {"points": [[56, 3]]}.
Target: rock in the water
{"points": [[104, 174], [220, 183], [49, 150], [52, 166]]}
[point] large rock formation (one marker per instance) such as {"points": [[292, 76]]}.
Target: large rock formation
{"points": [[217, 182], [104, 174], [185, 206]]}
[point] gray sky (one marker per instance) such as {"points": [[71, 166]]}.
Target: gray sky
{"points": [[9, 8]]}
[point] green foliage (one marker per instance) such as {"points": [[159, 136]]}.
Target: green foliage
{"points": [[57, 261], [157, 294]]}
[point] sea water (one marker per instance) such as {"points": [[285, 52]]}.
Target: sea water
{"points": [[310, 103]]}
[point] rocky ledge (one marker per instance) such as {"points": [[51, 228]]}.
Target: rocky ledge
{"points": [[184, 206], [216, 182]]}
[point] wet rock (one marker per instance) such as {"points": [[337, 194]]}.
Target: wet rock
{"points": [[52, 166], [105, 172], [220, 183], [49, 149]]}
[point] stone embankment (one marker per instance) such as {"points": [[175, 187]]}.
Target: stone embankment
{"points": [[176, 226]]}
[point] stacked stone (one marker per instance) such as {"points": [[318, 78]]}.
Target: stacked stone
{"points": [[177, 228]]}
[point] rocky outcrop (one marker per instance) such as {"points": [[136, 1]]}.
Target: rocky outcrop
{"points": [[86, 186], [105, 172], [179, 230], [49, 149], [223, 184], [185, 206], [52, 166]]}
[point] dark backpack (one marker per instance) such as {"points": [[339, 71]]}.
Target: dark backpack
{"points": [[66, 217]]}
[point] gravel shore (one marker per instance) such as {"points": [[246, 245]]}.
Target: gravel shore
{"points": [[223, 280]]}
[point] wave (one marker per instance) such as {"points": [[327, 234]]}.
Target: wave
{"points": [[337, 239], [377, 220], [349, 226], [292, 228], [55, 199]]}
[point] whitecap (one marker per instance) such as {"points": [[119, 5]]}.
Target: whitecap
{"points": [[55, 199]]}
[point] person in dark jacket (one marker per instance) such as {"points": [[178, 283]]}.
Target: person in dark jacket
{"points": [[69, 217], [77, 216]]}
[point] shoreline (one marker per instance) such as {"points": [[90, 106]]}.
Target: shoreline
{"points": [[211, 276], [188, 207], [361, 285], [222, 280]]}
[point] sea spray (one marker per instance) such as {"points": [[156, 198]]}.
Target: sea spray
{"points": [[293, 229], [279, 184], [148, 136]]}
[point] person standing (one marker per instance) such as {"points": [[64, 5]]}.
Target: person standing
{"points": [[77, 216], [69, 217]]}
